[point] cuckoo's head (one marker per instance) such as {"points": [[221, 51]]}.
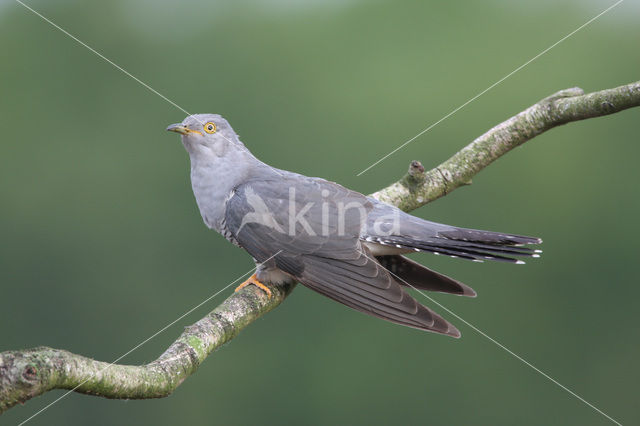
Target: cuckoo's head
{"points": [[206, 132]]}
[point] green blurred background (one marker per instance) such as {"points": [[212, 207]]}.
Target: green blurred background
{"points": [[102, 243]]}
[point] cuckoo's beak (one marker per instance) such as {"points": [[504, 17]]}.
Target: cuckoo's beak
{"points": [[182, 129]]}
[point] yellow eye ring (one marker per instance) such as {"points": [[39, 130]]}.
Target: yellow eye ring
{"points": [[210, 127]]}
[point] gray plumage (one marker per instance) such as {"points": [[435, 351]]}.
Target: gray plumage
{"points": [[335, 241]]}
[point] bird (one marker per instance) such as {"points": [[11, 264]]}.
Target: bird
{"points": [[338, 242]]}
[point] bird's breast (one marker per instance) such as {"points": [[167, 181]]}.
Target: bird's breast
{"points": [[211, 196]]}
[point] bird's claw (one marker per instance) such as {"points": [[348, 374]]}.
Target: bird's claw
{"points": [[253, 279]]}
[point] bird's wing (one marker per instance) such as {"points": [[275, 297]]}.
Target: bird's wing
{"points": [[363, 284], [296, 215], [304, 222]]}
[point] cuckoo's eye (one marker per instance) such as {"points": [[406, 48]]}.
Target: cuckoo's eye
{"points": [[210, 127]]}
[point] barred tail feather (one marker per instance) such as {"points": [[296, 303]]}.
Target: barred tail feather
{"points": [[468, 244]]}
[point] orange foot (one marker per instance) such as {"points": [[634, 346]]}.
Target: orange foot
{"points": [[253, 279]]}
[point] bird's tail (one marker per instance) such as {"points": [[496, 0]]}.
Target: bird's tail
{"points": [[469, 244]]}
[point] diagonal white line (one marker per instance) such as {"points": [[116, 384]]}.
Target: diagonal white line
{"points": [[491, 87], [118, 67], [501, 346], [515, 355], [146, 340], [181, 109], [104, 57]]}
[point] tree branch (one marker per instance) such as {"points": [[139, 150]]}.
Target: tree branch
{"points": [[32, 372], [29, 373], [416, 189]]}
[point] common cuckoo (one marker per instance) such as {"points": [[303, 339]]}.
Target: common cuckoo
{"points": [[333, 240]]}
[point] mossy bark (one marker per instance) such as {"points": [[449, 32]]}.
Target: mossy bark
{"points": [[28, 373]]}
